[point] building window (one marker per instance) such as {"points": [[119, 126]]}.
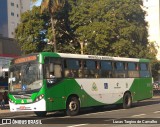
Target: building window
{"points": [[17, 5], [17, 15], [12, 13], [12, 4]]}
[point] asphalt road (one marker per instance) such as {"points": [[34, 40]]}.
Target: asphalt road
{"points": [[145, 113]]}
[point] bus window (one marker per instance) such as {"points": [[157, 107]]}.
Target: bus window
{"points": [[91, 69], [119, 66], [133, 70], [90, 64], [144, 70], [120, 71], [53, 70], [106, 69], [71, 67]]}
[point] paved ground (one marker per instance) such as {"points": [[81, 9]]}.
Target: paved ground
{"points": [[7, 113]]}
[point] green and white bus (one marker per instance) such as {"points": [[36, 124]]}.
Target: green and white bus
{"points": [[49, 81]]}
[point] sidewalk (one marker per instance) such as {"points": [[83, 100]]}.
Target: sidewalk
{"points": [[7, 113]]}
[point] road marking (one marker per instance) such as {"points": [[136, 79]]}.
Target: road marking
{"points": [[157, 112], [138, 115], [77, 125]]}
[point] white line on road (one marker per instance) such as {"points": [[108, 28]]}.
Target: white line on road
{"points": [[138, 115], [157, 112], [77, 125]]}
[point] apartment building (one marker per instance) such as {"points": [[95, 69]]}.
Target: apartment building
{"points": [[152, 8], [10, 11]]}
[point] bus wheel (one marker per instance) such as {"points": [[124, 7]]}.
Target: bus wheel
{"points": [[127, 100], [40, 113], [73, 106]]}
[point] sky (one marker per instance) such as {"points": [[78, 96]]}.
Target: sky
{"points": [[38, 3]]}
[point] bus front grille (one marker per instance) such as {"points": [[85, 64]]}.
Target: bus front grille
{"points": [[26, 96]]}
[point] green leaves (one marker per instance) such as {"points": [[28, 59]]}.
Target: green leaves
{"points": [[110, 27], [106, 27], [30, 33]]}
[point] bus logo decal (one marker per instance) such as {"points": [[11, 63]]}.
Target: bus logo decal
{"points": [[94, 87]]}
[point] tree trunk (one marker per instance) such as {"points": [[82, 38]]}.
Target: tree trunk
{"points": [[53, 22]]}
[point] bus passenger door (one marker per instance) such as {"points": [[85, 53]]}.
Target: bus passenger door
{"points": [[55, 89]]}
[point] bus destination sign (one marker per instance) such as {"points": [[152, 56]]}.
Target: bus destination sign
{"points": [[25, 59]]}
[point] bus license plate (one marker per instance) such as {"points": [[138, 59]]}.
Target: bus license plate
{"points": [[22, 107]]}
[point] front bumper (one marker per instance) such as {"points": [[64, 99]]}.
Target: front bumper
{"points": [[37, 106]]}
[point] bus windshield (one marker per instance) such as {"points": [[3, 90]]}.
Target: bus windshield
{"points": [[25, 77]]}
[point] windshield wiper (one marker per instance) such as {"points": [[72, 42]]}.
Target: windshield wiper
{"points": [[22, 92]]}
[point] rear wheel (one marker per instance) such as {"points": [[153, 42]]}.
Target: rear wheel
{"points": [[40, 113], [127, 100], [73, 106]]}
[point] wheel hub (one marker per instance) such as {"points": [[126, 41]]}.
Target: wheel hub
{"points": [[72, 106]]}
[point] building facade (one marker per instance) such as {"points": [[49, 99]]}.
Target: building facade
{"points": [[152, 8], [10, 11], [9, 49]]}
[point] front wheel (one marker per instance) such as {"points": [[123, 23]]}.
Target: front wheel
{"points": [[40, 113], [73, 106], [127, 100]]}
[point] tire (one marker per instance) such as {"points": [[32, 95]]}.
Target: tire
{"points": [[127, 101], [73, 106], [40, 113]]}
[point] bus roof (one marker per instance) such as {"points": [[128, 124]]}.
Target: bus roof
{"points": [[95, 57]]}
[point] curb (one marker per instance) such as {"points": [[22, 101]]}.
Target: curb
{"points": [[7, 113]]}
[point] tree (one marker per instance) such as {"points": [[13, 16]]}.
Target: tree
{"points": [[53, 6], [110, 27], [32, 31]]}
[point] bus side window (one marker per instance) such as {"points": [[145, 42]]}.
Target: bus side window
{"points": [[71, 67], [58, 71], [53, 68], [133, 70], [106, 69], [120, 71], [144, 70], [91, 69]]}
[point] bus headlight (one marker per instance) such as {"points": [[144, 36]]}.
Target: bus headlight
{"points": [[39, 98]]}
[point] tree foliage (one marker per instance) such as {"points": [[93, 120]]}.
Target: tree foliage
{"points": [[106, 27], [110, 27], [35, 30], [53, 7], [31, 32]]}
